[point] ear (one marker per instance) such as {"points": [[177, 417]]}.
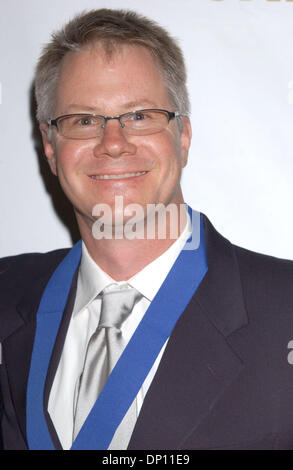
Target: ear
{"points": [[186, 135], [49, 148]]}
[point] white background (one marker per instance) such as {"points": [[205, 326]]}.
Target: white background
{"points": [[239, 56]]}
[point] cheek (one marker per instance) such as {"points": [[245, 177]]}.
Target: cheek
{"points": [[167, 149], [70, 156], [170, 157]]}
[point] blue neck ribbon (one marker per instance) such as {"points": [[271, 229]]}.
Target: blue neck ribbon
{"points": [[136, 360]]}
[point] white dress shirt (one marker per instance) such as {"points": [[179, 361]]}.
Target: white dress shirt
{"points": [[91, 281]]}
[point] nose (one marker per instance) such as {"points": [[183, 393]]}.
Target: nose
{"points": [[114, 142]]}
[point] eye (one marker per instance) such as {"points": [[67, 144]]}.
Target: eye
{"points": [[86, 121], [139, 116]]}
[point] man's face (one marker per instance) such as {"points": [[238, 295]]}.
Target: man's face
{"points": [[90, 82]]}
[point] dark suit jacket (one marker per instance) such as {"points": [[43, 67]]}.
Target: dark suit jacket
{"points": [[224, 381]]}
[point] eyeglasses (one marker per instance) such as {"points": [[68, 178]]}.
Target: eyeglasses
{"points": [[87, 126]]}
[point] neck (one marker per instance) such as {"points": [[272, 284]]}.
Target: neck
{"points": [[122, 258]]}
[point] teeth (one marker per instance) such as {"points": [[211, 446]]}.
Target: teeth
{"points": [[116, 177]]}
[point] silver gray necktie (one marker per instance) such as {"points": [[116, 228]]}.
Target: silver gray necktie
{"points": [[104, 348]]}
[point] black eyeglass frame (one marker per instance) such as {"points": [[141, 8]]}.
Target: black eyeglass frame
{"points": [[170, 115]]}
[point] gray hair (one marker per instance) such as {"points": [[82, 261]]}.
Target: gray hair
{"points": [[110, 28]]}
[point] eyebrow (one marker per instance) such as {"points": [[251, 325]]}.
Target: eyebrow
{"points": [[131, 105]]}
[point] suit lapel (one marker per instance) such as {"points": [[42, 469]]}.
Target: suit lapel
{"points": [[198, 365], [49, 318]]}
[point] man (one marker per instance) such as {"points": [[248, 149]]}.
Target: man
{"points": [[197, 356]]}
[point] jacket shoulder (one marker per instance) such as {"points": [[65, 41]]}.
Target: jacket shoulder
{"points": [[266, 282], [250, 263], [27, 267], [264, 266]]}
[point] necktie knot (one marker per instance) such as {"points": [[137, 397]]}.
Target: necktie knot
{"points": [[117, 304]]}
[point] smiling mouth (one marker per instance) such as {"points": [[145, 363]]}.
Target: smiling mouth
{"points": [[116, 177]]}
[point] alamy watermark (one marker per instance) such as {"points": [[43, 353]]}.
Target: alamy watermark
{"points": [[155, 221]]}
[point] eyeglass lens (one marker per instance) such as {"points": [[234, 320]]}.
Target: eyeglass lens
{"points": [[89, 126]]}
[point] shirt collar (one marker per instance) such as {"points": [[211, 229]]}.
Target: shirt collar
{"points": [[92, 279], [149, 280]]}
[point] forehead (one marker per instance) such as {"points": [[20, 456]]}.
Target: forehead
{"points": [[91, 77]]}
